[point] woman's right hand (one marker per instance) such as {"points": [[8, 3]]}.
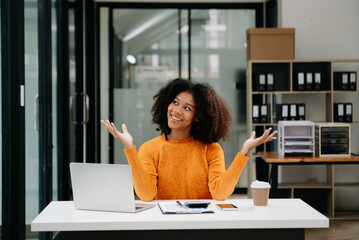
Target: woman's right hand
{"points": [[125, 138]]}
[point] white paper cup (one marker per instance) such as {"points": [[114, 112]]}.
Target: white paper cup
{"points": [[260, 193]]}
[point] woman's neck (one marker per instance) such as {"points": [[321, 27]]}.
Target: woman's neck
{"points": [[178, 135]]}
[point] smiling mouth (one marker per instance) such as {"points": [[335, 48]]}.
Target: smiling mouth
{"points": [[176, 119]]}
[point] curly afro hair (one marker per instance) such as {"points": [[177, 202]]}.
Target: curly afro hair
{"points": [[214, 120]]}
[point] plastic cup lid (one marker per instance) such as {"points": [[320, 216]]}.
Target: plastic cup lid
{"points": [[260, 184]]}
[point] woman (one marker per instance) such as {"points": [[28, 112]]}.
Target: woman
{"points": [[185, 161]]}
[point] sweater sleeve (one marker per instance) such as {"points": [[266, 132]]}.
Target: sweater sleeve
{"points": [[222, 182], [144, 172]]}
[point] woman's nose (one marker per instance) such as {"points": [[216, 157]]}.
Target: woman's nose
{"points": [[176, 109]]}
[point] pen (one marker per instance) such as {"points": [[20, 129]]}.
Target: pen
{"points": [[179, 203]]}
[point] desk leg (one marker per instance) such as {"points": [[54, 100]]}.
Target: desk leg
{"points": [[209, 234], [274, 181]]}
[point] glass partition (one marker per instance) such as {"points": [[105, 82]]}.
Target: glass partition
{"points": [[54, 102], [0, 131], [31, 112], [218, 57], [149, 43]]}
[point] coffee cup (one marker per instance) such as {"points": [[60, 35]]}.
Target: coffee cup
{"points": [[260, 193]]}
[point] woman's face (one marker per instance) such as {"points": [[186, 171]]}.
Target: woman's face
{"points": [[180, 112]]}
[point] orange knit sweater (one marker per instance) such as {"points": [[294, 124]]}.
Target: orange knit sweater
{"points": [[185, 169]]}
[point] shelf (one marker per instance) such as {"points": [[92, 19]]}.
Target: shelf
{"points": [[346, 185], [299, 137], [345, 60], [310, 92], [264, 124], [338, 91], [272, 92], [301, 92], [352, 214], [298, 143], [310, 185], [298, 150]]}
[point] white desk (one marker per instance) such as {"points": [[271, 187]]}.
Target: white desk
{"points": [[290, 216]]}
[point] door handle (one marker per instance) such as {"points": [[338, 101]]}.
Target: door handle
{"points": [[86, 110], [36, 115]]}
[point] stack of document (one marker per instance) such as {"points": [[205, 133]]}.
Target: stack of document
{"points": [[175, 208]]}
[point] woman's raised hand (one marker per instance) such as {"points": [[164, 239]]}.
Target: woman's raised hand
{"points": [[252, 142], [125, 138]]}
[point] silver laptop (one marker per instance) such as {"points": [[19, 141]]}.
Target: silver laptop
{"points": [[104, 187]]}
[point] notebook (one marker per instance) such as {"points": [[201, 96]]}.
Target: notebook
{"points": [[104, 187]]}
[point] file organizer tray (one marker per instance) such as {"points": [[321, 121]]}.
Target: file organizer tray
{"points": [[332, 139], [296, 138]]}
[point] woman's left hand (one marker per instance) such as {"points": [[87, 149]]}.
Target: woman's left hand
{"points": [[252, 142]]}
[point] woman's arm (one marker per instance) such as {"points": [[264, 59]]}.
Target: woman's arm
{"points": [[144, 173], [222, 183]]}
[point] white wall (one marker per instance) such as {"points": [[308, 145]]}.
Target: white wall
{"points": [[325, 29]]}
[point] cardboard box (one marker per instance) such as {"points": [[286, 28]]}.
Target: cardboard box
{"points": [[270, 43]]}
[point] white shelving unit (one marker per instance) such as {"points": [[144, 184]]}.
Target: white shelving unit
{"points": [[285, 87]]}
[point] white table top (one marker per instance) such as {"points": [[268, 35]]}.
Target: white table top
{"points": [[280, 213]]}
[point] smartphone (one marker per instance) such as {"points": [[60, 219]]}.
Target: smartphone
{"points": [[196, 204], [227, 206]]}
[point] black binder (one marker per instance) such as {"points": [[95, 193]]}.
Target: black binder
{"points": [[339, 112], [261, 82], [255, 113], [264, 114], [341, 80], [301, 80], [353, 81], [293, 111], [270, 82], [317, 81], [348, 112], [301, 111], [282, 112], [309, 81]]}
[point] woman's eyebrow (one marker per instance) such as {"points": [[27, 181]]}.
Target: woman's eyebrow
{"points": [[185, 103], [190, 105]]}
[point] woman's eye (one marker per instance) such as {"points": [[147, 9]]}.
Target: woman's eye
{"points": [[187, 108], [175, 102]]}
